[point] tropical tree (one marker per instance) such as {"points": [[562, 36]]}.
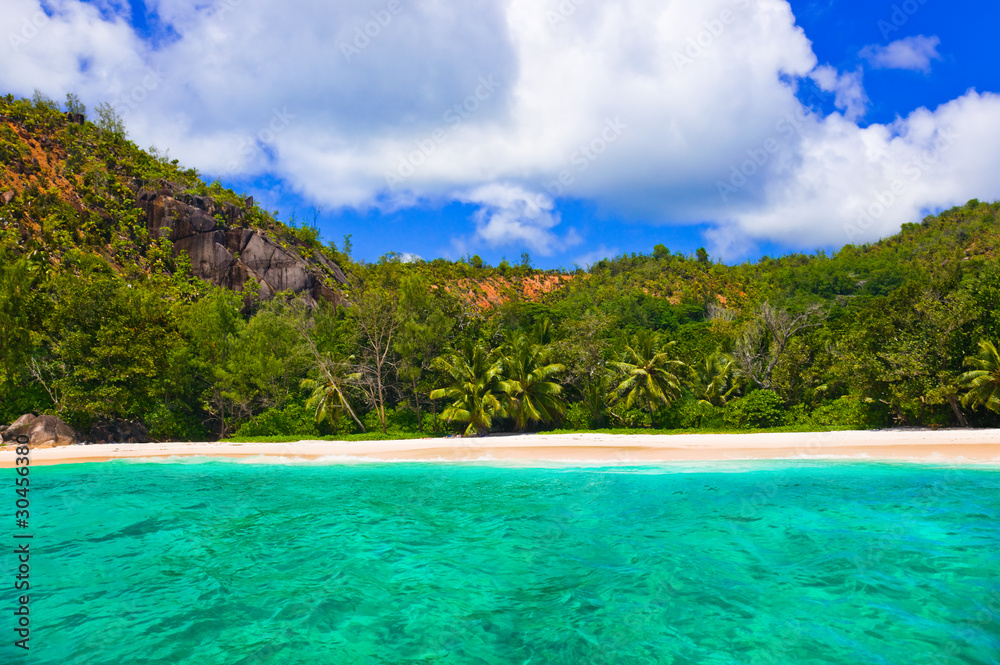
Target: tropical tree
{"points": [[531, 397], [112, 339], [543, 332], [376, 315], [16, 285], [765, 339], [475, 388], [424, 329], [983, 382], [329, 399], [651, 378], [716, 379], [584, 351]]}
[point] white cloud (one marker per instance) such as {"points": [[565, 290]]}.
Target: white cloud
{"points": [[848, 88], [913, 53], [590, 258], [855, 185], [728, 242], [704, 94], [510, 215], [72, 46]]}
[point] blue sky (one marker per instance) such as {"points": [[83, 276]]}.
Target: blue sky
{"points": [[745, 126], [969, 49]]}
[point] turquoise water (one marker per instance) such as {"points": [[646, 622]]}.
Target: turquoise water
{"points": [[413, 563]]}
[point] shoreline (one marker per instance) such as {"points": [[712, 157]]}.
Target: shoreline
{"points": [[948, 446]]}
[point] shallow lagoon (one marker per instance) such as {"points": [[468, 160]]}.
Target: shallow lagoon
{"points": [[797, 562]]}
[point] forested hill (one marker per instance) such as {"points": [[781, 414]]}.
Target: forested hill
{"points": [[68, 184], [131, 291]]}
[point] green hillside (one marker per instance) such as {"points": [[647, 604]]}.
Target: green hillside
{"points": [[131, 291]]}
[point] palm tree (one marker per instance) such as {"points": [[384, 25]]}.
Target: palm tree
{"points": [[651, 377], [328, 399], [474, 390], [543, 332], [984, 382], [531, 396], [715, 379]]}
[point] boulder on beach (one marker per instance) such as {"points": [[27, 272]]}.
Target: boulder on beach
{"points": [[17, 427], [42, 430], [20, 422], [119, 431]]}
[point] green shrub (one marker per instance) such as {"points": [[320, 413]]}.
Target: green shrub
{"points": [[758, 410], [846, 413], [397, 421], [667, 417], [180, 424], [432, 424], [698, 414], [578, 416], [293, 420], [629, 419]]}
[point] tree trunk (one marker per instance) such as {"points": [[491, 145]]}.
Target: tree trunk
{"points": [[416, 401], [222, 416], [953, 401], [900, 417], [380, 396]]}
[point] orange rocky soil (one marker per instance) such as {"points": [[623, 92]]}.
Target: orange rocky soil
{"points": [[45, 166], [490, 293]]}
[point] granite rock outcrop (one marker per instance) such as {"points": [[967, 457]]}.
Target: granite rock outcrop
{"points": [[226, 252]]}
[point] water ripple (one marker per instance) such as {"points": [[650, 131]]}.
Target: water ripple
{"points": [[250, 564]]}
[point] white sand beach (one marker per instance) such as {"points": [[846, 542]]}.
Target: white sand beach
{"points": [[960, 446]]}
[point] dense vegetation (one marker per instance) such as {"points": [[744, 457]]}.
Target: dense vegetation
{"points": [[100, 322]]}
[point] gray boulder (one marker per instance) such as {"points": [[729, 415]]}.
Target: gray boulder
{"points": [[119, 431], [42, 430], [18, 426], [211, 260], [279, 268]]}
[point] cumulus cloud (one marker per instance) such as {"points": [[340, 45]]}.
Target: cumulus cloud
{"points": [[510, 215], [856, 185], [601, 253], [913, 53], [848, 88], [656, 111]]}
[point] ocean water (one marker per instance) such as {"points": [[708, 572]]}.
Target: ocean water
{"points": [[767, 563]]}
